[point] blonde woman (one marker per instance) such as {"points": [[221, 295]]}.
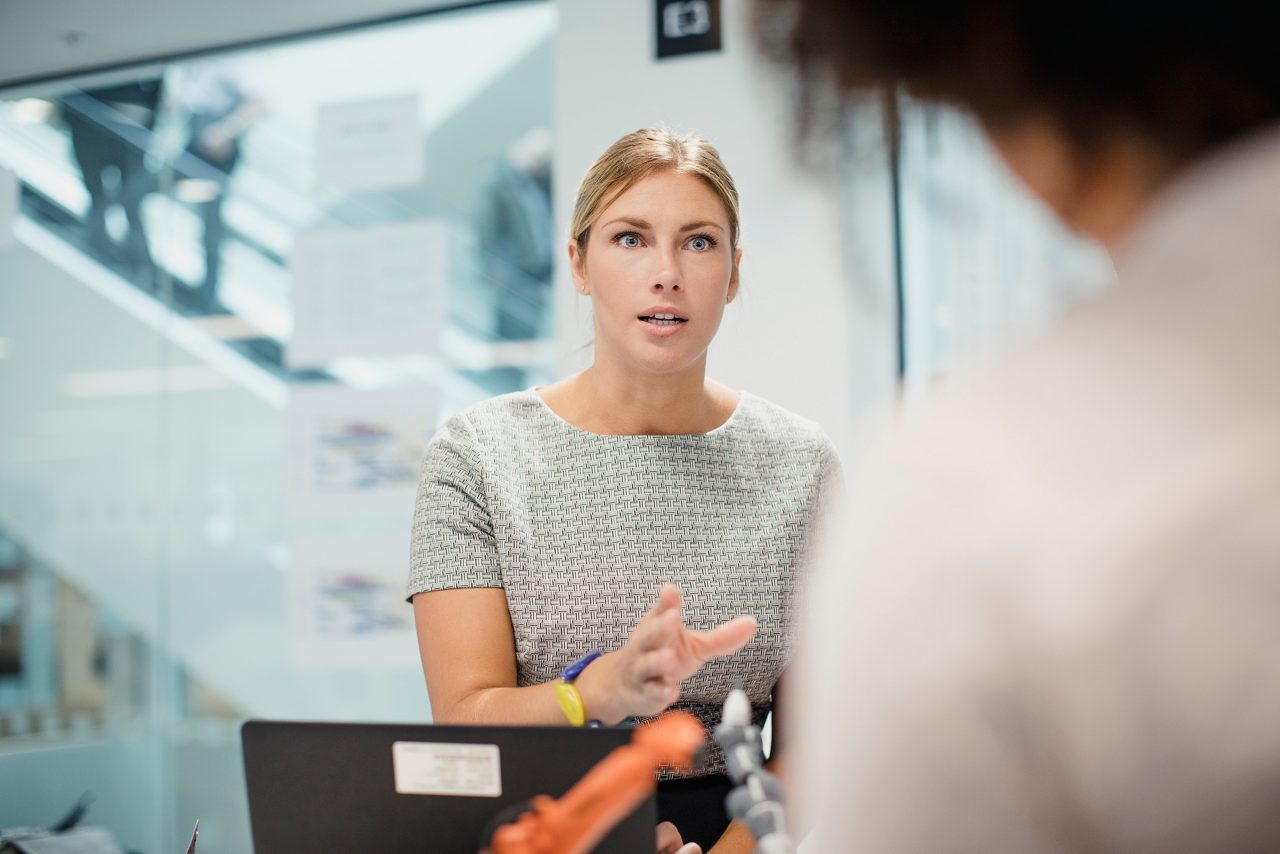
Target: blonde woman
{"points": [[627, 539]]}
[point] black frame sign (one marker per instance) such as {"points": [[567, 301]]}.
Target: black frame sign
{"points": [[687, 26]]}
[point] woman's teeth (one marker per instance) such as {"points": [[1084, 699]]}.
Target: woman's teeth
{"points": [[663, 319]]}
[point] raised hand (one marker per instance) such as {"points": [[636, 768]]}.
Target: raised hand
{"points": [[643, 678]]}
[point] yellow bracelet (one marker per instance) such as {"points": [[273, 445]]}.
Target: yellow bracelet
{"points": [[569, 699]]}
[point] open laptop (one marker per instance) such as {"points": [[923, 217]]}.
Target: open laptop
{"points": [[414, 788]]}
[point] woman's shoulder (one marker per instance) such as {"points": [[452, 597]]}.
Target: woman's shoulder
{"points": [[518, 410], [775, 423], [793, 447]]}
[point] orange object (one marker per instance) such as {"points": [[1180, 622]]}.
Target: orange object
{"points": [[575, 823]]}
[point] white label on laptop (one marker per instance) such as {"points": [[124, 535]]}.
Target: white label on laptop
{"points": [[434, 768]]}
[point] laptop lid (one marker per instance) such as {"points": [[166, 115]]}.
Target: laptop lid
{"points": [[333, 787]]}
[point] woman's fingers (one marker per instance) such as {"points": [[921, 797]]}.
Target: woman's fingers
{"points": [[662, 694], [654, 696], [725, 639], [669, 841], [659, 665], [662, 653], [657, 631], [693, 648], [668, 599]]}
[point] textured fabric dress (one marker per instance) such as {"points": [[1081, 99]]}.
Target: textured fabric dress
{"points": [[581, 529]]}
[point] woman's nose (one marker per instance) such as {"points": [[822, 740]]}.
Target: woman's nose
{"points": [[668, 276]]}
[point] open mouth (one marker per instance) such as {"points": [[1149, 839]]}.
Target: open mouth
{"points": [[663, 319]]}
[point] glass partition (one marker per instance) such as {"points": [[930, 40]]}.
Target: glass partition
{"points": [[240, 293], [946, 252], [984, 264]]}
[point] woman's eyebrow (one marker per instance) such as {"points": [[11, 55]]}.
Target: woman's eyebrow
{"points": [[640, 223], [634, 223]]}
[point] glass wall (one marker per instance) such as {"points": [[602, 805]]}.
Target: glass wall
{"points": [[240, 293], [940, 233], [984, 265]]}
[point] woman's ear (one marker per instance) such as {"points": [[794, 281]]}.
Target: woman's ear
{"points": [[578, 268], [733, 280]]}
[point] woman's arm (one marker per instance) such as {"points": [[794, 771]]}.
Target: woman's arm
{"points": [[468, 657]]}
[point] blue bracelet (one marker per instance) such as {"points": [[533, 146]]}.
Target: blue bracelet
{"points": [[573, 671]]}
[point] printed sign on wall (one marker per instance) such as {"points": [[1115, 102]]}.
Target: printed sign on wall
{"points": [[355, 452], [369, 145], [688, 26], [368, 292], [347, 607]]}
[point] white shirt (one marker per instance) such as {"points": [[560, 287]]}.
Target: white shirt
{"points": [[1052, 621]]}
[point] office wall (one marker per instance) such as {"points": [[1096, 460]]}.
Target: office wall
{"points": [[812, 331]]}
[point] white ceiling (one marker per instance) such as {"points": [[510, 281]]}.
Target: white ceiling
{"points": [[48, 38]]}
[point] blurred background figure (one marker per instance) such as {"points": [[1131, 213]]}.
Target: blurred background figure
{"points": [[110, 131], [216, 100], [1049, 621], [516, 232]]}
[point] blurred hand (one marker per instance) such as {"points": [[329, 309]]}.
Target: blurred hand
{"points": [[643, 678], [669, 841]]}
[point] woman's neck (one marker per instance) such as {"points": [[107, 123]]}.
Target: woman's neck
{"points": [[604, 399]]}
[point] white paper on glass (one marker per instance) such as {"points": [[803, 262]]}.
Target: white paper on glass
{"points": [[9, 189], [376, 291], [355, 452], [347, 608], [369, 145]]}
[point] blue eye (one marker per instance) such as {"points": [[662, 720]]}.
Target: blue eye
{"points": [[701, 242], [628, 240]]}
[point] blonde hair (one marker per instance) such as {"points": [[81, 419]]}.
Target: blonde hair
{"points": [[638, 155]]}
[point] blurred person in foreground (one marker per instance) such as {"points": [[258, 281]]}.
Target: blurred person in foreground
{"points": [[1050, 623]]}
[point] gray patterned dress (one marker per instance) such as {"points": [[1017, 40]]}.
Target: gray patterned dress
{"points": [[581, 529]]}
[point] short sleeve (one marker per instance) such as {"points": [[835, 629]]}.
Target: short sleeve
{"points": [[452, 543], [827, 490], [831, 485]]}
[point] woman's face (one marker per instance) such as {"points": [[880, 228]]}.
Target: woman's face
{"points": [[659, 268]]}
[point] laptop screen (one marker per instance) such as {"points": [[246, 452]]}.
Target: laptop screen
{"points": [[414, 788]]}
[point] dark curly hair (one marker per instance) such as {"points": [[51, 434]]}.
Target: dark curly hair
{"points": [[1185, 75]]}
